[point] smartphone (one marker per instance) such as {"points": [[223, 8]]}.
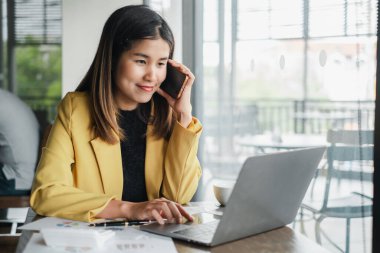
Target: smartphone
{"points": [[174, 82]]}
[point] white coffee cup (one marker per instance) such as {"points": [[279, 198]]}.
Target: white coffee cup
{"points": [[222, 191]]}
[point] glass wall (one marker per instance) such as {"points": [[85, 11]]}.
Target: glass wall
{"points": [[274, 81]]}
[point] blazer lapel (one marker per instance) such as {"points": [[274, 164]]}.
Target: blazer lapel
{"points": [[109, 161]]}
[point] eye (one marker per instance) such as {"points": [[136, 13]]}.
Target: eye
{"points": [[162, 64], [140, 61]]}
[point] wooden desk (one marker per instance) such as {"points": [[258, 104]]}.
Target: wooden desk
{"points": [[282, 240]]}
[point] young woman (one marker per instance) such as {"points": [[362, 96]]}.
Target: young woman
{"points": [[120, 146]]}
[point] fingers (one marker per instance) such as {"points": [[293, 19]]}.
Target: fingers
{"points": [[161, 209], [182, 104], [178, 210], [184, 70], [176, 213], [167, 211], [184, 213], [170, 210], [157, 217]]}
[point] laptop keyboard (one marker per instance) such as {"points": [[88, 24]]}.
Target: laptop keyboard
{"points": [[203, 232]]}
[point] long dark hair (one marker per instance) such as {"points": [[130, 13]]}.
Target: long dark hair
{"points": [[124, 27]]}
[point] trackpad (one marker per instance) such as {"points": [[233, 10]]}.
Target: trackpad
{"points": [[200, 218]]}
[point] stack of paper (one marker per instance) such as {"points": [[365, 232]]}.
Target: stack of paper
{"points": [[126, 239]]}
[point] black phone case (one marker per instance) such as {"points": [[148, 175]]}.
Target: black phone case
{"points": [[173, 82]]}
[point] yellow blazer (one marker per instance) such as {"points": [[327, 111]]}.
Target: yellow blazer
{"points": [[78, 173]]}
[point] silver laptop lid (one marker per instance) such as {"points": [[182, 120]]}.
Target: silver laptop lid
{"points": [[268, 193]]}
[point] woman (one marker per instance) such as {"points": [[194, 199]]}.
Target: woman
{"points": [[121, 146]]}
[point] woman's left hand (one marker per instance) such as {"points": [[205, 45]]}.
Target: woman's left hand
{"points": [[181, 106]]}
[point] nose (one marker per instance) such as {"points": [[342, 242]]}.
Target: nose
{"points": [[151, 74]]}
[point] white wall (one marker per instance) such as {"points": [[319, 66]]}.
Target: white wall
{"points": [[172, 13], [82, 24]]}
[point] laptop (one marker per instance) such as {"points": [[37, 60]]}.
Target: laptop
{"points": [[266, 195]]}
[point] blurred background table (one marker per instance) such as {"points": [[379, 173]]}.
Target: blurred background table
{"points": [[316, 121], [263, 142]]}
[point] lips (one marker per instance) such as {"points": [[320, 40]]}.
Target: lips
{"points": [[146, 88]]}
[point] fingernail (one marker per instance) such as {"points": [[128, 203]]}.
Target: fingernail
{"points": [[161, 222]]}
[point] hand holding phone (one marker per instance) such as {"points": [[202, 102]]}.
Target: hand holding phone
{"points": [[176, 89], [174, 82]]}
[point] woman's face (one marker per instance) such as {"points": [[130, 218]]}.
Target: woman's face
{"points": [[140, 72]]}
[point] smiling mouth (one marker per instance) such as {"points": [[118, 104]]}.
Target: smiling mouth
{"points": [[146, 88]]}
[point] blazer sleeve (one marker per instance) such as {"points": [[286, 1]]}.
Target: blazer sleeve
{"points": [[182, 169], [54, 192]]}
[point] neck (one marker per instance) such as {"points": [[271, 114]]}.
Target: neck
{"points": [[125, 105]]}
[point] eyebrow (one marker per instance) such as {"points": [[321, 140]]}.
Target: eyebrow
{"points": [[147, 57]]}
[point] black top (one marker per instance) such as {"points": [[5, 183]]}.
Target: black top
{"points": [[133, 156]]}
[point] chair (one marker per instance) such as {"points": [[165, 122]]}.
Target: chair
{"points": [[245, 120], [13, 209], [19, 138], [347, 155]]}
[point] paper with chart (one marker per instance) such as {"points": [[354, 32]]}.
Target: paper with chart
{"points": [[125, 240], [52, 222]]}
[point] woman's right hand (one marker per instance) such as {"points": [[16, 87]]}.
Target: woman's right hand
{"points": [[157, 209]]}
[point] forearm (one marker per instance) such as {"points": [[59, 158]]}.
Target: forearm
{"points": [[68, 202], [182, 169], [181, 186], [184, 119]]}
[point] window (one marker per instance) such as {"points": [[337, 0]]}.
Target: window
{"points": [[32, 39], [271, 74]]}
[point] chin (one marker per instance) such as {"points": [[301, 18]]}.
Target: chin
{"points": [[144, 100]]}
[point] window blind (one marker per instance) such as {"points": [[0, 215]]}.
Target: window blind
{"points": [[38, 21], [277, 19], [270, 19], [342, 18]]}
